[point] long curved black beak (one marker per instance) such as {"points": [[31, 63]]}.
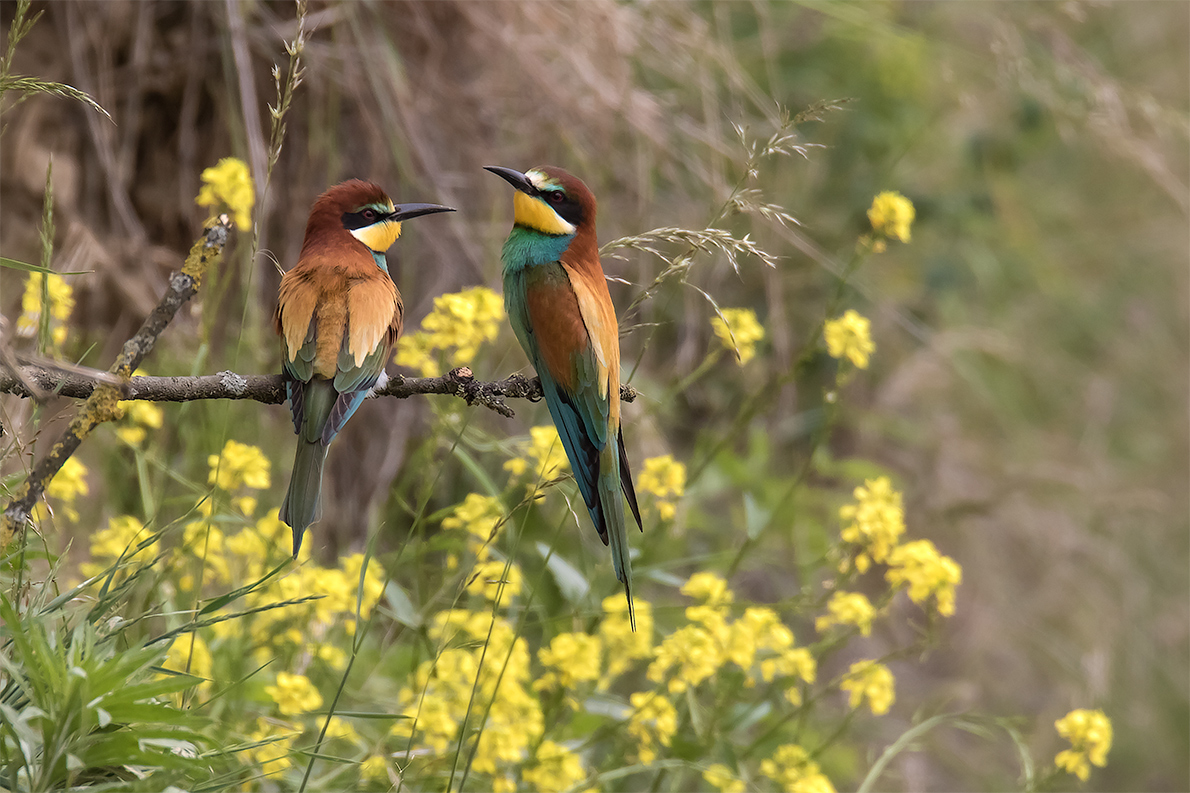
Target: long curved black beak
{"points": [[407, 211], [514, 178]]}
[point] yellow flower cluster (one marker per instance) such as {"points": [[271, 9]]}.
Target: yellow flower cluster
{"points": [[793, 771], [453, 331], [61, 301], [850, 336], [67, 485], [758, 643], [239, 464], [298, 627], [138, 416], [739, 331], [374, 768], [480, 517], [891, 216], [554, 768], [495, 580], [439, 696], [229, 185], [847, 608], [722, 779], [665, 478], [276, 741], [294, 694], [872, 681], [875, 522], [546, 457], [926, 572], [124, 539], [572, 659], [1090, 736], [653, 722]]}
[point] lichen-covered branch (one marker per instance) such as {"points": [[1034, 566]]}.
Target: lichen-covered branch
{"points": [[270, 389], [101, 404]]}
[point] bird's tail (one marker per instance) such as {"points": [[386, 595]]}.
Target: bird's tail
{"points": [[613, 512], [300, 507]]}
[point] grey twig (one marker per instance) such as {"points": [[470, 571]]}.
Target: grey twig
{"points": [[270, 389]]}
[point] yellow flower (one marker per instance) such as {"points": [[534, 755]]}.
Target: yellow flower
{"points": [[374, 768], [340, 729], [138, 416], [572, 659], [229, 184], [481, 517], [692, 652], [710, 588], [653, 721], [1090, 736], [239, 464], [68, 484], [741, 324], [665, 478], [877, 520], [492, 580], [443, 690], [927, 572], [793, 771], [61, 302], [545, 450], [554, 768], [847, 608], [294, 694], [873, 681], [122, 537], [850, 335], [273, 756], [623, 646], [460, 323], [891, 215], [722, 779], [760, 634], [373, 584]]}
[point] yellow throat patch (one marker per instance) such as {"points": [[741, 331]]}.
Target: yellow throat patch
{"points": [[536, 214], [379, 236]]}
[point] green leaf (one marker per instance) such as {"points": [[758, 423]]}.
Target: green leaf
{"points": [[37, 268], [573, 584], [401, 606]]}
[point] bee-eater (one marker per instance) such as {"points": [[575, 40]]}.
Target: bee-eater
{"points": [[338, 314], [556, 297]]}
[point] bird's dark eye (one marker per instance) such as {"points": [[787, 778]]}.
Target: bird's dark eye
{"points": [[557, 197], [369, 214]]}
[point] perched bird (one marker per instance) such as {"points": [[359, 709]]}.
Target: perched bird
{"points": [[338, 315], [557, 301]]}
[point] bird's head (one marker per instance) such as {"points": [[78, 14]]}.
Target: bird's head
{"points": [[549, 200], [363, 210]]}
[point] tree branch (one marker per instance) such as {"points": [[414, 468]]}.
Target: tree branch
{"points": [[101, 404], [270, 389]]}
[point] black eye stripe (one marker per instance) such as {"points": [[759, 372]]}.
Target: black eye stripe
{"points": [[357, 220]]}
